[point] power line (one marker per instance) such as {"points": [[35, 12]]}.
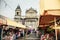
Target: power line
{"points": [[6, 4]]}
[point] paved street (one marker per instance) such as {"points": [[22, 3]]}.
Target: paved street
{"points": [[30, 37]]}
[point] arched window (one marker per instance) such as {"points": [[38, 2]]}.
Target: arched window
{"points": [[17, 13]]}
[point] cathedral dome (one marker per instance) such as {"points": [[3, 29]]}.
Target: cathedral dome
{"points": [[31, 9]]}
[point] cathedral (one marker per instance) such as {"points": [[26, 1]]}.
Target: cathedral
{"points": [[29, 20]]}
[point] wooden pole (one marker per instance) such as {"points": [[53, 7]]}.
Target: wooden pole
{"points": [[55, 27]]}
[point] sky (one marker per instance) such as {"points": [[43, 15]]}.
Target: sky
{"points": [[7, 7]]}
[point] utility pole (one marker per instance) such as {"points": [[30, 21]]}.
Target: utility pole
{"points": [[55, 27]]}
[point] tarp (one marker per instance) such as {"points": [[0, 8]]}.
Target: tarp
{"points": [[7, 21], [15, 24], [48, 17]]}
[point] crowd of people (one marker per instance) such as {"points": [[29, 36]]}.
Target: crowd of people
{"points": [[46, 36], [13, 34]]}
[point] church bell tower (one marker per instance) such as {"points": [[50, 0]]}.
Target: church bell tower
{"points": [[17, 14]]}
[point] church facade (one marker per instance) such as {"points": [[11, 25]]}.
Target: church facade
{"points": [[29, 20]]}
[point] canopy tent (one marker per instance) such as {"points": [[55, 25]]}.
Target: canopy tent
{"points": [[48, 17], [15, 24], [52, 7], [6, 21], [48, 10]]}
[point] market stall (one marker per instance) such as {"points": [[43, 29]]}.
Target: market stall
{"points": [[6, 22], [2, 24], [50, 18], [15, 24]]}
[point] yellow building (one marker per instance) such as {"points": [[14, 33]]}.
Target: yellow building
{"points": [[49, 5]]}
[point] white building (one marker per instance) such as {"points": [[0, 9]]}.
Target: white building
{"points": [[29, 20]]}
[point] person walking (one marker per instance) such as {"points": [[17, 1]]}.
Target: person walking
{"points": [[11, 36], [42, 37]]}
